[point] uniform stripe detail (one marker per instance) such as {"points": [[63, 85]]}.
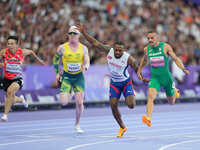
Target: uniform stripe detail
{"points": [[112, 86]]}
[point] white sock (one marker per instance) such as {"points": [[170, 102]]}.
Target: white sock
{"points": [[24, 101]]}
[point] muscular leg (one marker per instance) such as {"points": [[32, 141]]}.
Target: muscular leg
{"points": [[172, 99], [79, 96], [10, 96], [130, 101], [116, 112], [65, 98], [150, 102]]}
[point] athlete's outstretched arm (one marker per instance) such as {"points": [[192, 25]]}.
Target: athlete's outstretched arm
{"points": [[143, 62], [92, 40], [170, 51], [27, 52], [133, 64]]}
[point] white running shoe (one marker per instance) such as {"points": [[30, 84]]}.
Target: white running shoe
{"points": [[78, 129], [4, 118], [24, 102]]}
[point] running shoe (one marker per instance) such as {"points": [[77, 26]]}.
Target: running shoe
{"points": [[146, 120], [121, 132], [78, 129], [4, 118]]}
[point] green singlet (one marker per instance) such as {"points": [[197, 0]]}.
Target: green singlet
{"points": [[160, 74]]}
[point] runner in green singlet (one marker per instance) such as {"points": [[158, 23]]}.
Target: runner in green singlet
{"points": [[157, 53]]}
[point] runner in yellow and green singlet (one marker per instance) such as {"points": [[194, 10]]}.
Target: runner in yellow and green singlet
{"points": [[75, 60]]}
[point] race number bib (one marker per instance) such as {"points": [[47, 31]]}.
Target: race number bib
{"points": [[157, 61], [13, 68], [74, 67]]}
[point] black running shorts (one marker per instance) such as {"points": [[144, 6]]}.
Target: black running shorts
{"points": [[8, 82]]}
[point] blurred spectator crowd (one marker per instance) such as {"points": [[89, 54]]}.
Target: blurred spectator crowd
{"points": [[42, 25]]}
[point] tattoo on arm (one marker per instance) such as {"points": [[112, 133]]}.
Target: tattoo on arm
{"points": [[56, 62], [57, 56]]}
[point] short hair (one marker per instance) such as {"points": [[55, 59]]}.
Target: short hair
{"points": [[151, 31], [13, 38], [119, 43]]}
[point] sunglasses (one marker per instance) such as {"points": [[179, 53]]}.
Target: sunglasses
{"points": [[73, 33]]}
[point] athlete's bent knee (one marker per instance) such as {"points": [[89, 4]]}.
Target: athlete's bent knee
{"points": [[79, 96], [130, 102], [65, 98]]}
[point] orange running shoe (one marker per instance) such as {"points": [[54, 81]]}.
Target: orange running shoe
{"points": [[121, 132], [146, 120]]}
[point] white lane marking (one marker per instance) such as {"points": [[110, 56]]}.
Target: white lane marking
{"points": [[28, 141], [149, 131], [102, 142], [88, 144], [90, 119], [178, 143], [178, 122], [37, 136], [103, 136], [100, 129]]}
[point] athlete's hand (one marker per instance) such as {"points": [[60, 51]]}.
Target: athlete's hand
{"points": [[44, 63], [186, 71], [84, 68], [140, 77], [145, 80], [81, 27], [57, 78]]}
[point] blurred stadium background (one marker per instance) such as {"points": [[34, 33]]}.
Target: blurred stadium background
{"points": [[42, 25]]}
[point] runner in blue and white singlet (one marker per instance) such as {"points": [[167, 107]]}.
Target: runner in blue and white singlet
{"points": [[118, 62], [118, 67], [120, 80]]}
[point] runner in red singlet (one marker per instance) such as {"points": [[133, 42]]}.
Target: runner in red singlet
{"points": [[13, 57]]}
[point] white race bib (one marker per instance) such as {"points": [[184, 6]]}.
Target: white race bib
{"points": [[74, 67], [13, 68]]}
